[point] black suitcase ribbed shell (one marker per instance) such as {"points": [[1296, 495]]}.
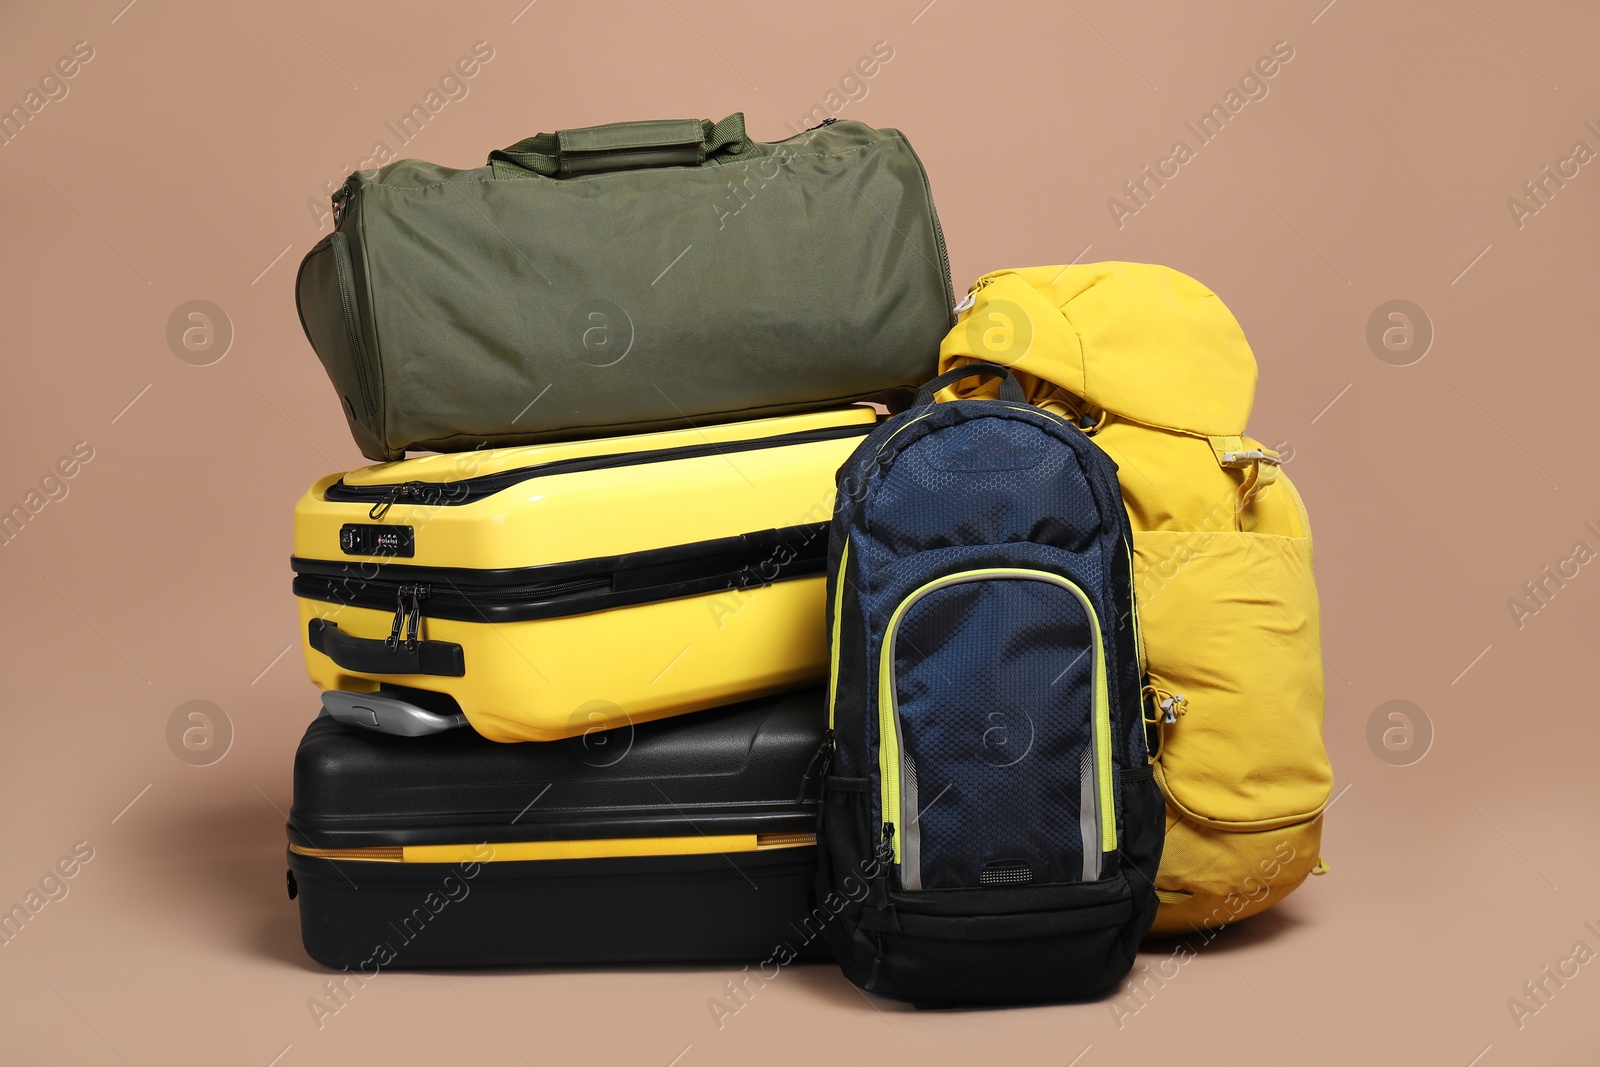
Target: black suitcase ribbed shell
{"points": [[735, 770]]}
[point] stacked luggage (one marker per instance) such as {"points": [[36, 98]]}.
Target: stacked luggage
{"points": [[672, 609]]}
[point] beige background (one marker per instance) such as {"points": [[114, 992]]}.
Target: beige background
{"points": [[179, 167]]}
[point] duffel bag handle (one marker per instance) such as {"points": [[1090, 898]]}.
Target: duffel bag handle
{"points": [[622, 146], [1010, 388], [629, 145]]}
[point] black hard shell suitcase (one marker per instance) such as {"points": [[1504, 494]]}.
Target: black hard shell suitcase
{"points": [[687, 839]]}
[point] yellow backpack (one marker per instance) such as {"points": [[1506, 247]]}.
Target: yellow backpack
{"points": [[1153, 365]]}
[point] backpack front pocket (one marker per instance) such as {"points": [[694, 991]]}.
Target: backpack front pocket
{"points": [[994, 729], [1234, 617]]}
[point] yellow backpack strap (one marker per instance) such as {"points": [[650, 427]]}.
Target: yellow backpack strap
{"points": [[1261, 463]]}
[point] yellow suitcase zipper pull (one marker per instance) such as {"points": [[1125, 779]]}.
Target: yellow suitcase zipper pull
{"points": [[392, 642]]}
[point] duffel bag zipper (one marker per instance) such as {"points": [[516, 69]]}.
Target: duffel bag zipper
{"points": [[824, 124], [468, 490], [938, 237], [352, 321], [342, 198]]}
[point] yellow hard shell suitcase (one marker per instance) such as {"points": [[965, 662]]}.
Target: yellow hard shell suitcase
{"points": [[554, 590]]}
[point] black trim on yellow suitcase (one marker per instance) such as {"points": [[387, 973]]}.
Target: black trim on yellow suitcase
{"points": [[466, 490], [554, 590]]}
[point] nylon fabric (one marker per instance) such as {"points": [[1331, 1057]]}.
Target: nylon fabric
{"points": [[986, 688], [994, 684], [1222, 558], [1139, 340], [482, 310], [1000, 481]]}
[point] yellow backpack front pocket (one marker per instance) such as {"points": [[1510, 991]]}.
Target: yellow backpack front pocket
{"points": [[1241, 759]]}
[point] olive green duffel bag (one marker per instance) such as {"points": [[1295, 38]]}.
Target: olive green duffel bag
{"points": [[626, 278]]}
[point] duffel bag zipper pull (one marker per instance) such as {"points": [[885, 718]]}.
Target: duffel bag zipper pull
{"points": [[341, 199]]}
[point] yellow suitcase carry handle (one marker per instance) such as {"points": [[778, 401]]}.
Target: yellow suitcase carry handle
{"points": [[374, 655]]}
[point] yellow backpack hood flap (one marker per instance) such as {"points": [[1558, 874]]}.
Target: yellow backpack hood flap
{"points": [[1142, 341]]}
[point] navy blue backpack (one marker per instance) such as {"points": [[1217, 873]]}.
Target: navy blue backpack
{"points": [[990, 826]]}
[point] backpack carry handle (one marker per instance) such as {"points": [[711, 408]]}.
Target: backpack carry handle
{"points": [[1010, 388], [622, 146]]}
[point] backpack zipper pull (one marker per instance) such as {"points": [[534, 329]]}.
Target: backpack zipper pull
{"points": [[877, 961], [815, 773], [878, 914], [877, 898], [972, 295], [1168, 705]]}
